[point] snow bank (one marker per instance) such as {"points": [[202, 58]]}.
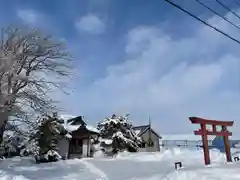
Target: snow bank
{"points": [[217, 172], [172, 156]]}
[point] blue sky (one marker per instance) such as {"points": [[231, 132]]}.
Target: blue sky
{"points": [[143, 58]]}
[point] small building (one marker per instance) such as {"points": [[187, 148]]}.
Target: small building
{"points": [[218, 143], [80, 143], [149, 137]]}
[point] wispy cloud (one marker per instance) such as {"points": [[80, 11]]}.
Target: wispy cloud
{"points": [[29, 16], [170, 79], [90, 23]]}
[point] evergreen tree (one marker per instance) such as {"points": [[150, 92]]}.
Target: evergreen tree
{"points": [[49, 132], [118, 129]]}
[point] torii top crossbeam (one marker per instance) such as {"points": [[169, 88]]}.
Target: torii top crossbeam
{"points": [[197, 120]]}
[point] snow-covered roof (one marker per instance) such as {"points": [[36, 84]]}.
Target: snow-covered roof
{"points": [[139, 130], [66, 117], [70, 128], [93, 129], [184, 137]]}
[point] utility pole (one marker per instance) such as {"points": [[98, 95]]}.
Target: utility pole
{"points": [[149, 132]]}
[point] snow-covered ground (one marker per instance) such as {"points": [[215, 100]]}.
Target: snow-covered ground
{"points": [[125, 166]]}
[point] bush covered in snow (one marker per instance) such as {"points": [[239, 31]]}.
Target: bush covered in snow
{"points": [[49, 132], [13, 144], [117, 135], [8, 146]]}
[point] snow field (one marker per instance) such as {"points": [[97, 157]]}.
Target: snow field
{"points": [[125, 166]]}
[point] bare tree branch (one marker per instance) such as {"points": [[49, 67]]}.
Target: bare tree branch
{"points": [[32, 65]]}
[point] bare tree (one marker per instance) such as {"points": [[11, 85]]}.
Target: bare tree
{"points": [[32, 66]]}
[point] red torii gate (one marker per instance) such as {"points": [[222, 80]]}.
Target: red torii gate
{"points": [[203, 131]]}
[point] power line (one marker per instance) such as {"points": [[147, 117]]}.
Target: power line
{"points": [[226, 7], [204, 22], [212, 10], [237, 2]]}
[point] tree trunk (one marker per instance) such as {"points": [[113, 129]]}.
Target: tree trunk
{"points": [[2, 129], [3, 123]]}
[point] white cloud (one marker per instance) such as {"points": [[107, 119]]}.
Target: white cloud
{"points": [[28, 16], [90, 23], [170, 79]]}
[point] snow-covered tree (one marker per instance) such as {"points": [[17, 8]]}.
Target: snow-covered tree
{"points": [[7, 147], [13, 143], [31, 66], [41, 141], [116, 132], [49, 132]]}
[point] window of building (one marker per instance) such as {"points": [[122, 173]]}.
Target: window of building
{"points": [[143, 145], [150, 143]]}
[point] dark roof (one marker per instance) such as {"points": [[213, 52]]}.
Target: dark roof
{"points": [[76, 121], [142, 129], [82, 125]]}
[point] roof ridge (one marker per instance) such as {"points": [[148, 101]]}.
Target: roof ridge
{"points": [[141, 126]]}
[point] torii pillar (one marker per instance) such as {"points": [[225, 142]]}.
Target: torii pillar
{"points": [[204, 132]]}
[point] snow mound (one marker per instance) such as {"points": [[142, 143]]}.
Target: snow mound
{"points": [[99, 154]]}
